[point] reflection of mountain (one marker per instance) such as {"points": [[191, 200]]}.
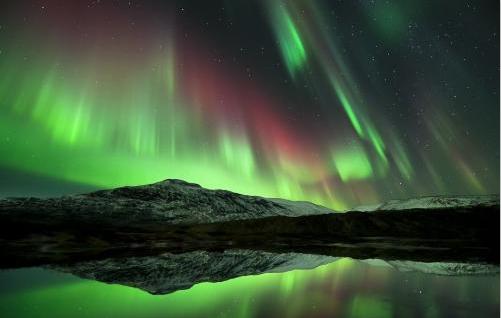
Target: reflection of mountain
{"points": [[439, 268], [168, 272]]}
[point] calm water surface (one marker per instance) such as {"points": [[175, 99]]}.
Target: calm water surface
{"points": [[345, 288]]}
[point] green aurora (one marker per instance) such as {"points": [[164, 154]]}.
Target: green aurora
{"points": [[341, 103], [90, 101]]}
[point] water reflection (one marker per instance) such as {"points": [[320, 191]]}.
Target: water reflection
{"points": [[344, 288]]}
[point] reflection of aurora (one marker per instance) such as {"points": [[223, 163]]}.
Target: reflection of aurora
{"points": [[345, 288], [103, 113]]}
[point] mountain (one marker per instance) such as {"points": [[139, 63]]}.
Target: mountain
{"points": [[434, 202], [167, 202], [169, 272], [178, 217]]}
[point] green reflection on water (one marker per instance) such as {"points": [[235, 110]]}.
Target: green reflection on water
{"points": [[345, 288]]}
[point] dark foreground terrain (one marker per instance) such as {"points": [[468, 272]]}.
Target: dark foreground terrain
{"points": [[467, 234]]}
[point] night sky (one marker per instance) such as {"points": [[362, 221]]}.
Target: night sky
{"points": [[342, 103]]}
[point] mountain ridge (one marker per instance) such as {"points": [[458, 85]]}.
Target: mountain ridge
{"points": [[176, 216], [436, 201], [170, 201]]}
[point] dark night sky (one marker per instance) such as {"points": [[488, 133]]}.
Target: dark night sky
{"points": [[336, 102]]}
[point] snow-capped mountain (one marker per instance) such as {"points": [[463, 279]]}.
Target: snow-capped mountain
{"points": [[170, 202], [434, 202]]}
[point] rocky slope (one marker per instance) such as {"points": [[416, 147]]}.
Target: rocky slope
{"points": [[167, 202]]}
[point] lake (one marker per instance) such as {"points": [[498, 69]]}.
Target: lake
{"points": [[343, 288]]}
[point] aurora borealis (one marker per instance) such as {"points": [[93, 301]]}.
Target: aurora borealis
{"points": [[340, 103]]}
